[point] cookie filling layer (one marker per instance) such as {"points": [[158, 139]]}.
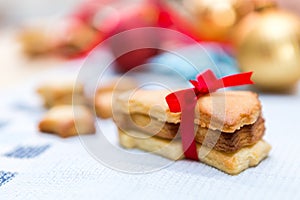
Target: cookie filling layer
{"points": [[220, 141]]}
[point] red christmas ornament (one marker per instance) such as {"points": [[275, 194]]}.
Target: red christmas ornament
{"points": [[150, 13]]}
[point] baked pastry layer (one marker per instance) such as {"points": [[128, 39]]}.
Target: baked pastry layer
{"points": [[220, 141], [231, 163], [224, 111]]}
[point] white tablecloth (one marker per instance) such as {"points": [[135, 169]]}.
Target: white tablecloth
{"points": [[41, 166]]}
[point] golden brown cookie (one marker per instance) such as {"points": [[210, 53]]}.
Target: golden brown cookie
{"points": [[62, 92], [36, 41], [68, 120], [224, 111], [106, 93], [231, 163], [103, 105]]}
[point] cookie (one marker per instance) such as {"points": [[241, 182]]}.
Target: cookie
{"points": [[231, 163], [103, 105], [61, 92], [68, 120], [224, 111], [106, 92], [36, 41]]}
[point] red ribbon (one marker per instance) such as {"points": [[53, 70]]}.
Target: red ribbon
{"points": [[187, 99]]}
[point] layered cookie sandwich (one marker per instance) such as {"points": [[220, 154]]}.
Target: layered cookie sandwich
{"points": [[228, 127]]}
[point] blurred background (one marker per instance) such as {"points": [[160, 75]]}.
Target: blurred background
{"points": [[239, 35], [14, 13]]}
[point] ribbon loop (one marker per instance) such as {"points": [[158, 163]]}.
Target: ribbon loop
{"points": [[206, 82]]}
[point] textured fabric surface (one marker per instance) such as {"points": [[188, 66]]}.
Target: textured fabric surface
{"points": [[41, 166]]}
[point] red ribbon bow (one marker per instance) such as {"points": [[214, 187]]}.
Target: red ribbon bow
{"points": [[187, 100]]}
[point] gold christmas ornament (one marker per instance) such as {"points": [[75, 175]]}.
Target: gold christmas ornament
{"points": [[268, 43], [215, 19]]}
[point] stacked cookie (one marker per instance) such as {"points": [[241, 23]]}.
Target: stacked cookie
{"points": [[228, 127]]}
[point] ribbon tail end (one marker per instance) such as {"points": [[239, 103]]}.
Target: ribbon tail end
{"points": [[249, 76]]}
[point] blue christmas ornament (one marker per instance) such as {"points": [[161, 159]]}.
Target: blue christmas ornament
{"points": [[192, 60]]}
